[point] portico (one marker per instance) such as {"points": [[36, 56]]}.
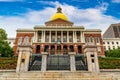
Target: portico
{"points": [[58, 40]]}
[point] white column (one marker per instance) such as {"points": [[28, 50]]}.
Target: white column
{"points": [[44, 36], [89, 62], [27, 60], [67, 36], [35, 36], [23, 58], [55, 35], [82, 37], [49, 36], [75, 39], [61, 36], [72, 61], [44, 61], [96, 62], [19, 61]]}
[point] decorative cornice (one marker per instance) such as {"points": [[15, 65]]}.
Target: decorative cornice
{"points": [[25, 30]]}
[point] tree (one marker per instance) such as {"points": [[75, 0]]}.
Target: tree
{"points": [[5, 49], [3, 35]]}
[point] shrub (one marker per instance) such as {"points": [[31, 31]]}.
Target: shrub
{"points": [[8, 63], [109, 63]]}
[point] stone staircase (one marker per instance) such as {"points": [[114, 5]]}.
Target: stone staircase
{"points": [[57, 75], [36, 65]]}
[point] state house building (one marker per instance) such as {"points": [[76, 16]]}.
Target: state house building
{"points": [[59, 36]]}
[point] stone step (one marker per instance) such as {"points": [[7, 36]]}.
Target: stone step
{"points": [[54, 75]]}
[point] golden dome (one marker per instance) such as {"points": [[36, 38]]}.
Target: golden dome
{"points": [[59, 15]]}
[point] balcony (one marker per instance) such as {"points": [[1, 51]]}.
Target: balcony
{"points": [[24, 43], [89, 43], [39, 40]]}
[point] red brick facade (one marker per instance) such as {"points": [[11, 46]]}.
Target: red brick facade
{"points": [[23, 35], [101, 41]]}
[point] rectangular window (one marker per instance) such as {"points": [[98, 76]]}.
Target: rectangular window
{"points": [[64, 38], [70, 38], [108, 47], [53, 38], [91, 39], [47, 38], [113, 47]]}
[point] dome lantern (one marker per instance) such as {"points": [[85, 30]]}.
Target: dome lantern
{"points": [[59, 10]]}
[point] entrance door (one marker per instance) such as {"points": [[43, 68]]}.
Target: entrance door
{"points": [[46, 48], [38, 49], [79, 49], [58, 62], [52, 49], [64, 49]]}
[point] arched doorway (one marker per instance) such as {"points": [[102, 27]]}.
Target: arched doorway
{"points": [[79, 49], [58, 49], [52, 49], [46, 48], [71, 47], [37, 49], [64, 49]]}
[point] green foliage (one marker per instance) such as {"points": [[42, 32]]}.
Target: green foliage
{"points": [[113, 53], [109, 63], [5, 49], [3, 35]]}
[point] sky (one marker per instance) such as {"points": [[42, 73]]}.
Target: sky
{"points": [[92, 14]]}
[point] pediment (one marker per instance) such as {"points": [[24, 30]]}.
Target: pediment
{"points": [[58, 22]]}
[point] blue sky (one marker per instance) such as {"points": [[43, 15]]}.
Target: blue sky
{"points": [[92, 14]]}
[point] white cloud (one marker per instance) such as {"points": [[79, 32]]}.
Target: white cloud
{"points": [[116, 1], [92, 18]]}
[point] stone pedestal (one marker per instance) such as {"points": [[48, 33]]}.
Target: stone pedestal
{"points": [[72, 61], [44, 61], [23, 58], [92, 58]]}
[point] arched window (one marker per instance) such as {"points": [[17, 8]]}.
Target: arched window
{"points": [[26, 40], [91, 39], [20, 40], [97, 40]]}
